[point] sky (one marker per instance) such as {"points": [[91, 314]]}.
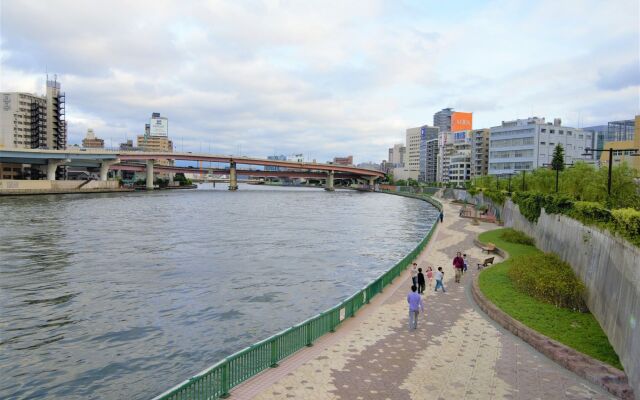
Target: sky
{"points": [[322, 78]]}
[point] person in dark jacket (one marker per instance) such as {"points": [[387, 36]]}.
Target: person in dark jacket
{"points": [[421, 281]]}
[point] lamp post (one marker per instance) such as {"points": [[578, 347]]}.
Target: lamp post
{"points": [[589, 151], [557, 173]]}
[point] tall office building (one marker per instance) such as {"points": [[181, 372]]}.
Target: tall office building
{"points": [[428, 153], [479, 152], [448, 120], [29, 121], [526, 144]]}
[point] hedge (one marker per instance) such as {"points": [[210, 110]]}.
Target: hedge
{"points": [[547, 278], [624, 222]]}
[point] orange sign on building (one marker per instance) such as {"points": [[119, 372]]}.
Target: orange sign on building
{"points": [[461, 121]]}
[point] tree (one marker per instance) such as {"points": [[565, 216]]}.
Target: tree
{"points": [[401, 182], [557, 163], [412, 182]]}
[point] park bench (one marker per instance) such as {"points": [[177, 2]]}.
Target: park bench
{"points": [[489, 248], [486, 263]]}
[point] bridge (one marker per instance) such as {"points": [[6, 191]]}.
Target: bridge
{"points": [[50, 160]]}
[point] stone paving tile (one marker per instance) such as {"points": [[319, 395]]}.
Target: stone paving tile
{"points": [[456, 352]]}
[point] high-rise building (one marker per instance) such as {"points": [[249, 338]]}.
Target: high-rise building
{"points": [[281, 157], [427, 156], [479, 152], [348, 160], [91, 141], [32, 121], [526, 144], [448, 120], [397, 155]]}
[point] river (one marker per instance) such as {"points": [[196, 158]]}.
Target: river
{"points": [[124, 295]]}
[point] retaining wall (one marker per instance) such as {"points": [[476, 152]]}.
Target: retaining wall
{"points": [[15, 186], [609, 268]]}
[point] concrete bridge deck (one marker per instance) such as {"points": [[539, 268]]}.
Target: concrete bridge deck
{"points": [[456, 352]]}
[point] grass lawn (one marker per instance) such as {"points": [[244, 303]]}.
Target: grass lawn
{"points": [[578, 330]]}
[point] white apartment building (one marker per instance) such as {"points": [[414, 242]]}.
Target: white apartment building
{"points": [[479, 152], [397, 154], [527, 144], [454, 157]]}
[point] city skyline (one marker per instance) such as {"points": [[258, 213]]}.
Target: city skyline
{"points": [[323, 80]]}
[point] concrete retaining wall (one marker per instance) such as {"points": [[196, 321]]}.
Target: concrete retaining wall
{"points": [[8, 186], [609, 268]]}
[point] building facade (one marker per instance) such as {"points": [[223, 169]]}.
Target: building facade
{"points": [[427, 157], [348, 160], [397, 155], [526, 144], [90, 141], [620, 131], [448, 120], [29, 121], [479, 152], [619, 154], [281, 157]]}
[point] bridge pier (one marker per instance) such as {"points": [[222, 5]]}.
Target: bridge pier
{"points": [[372, 183], [233, 178], [150, 174], [52, 167], [329, 185], [104, 168]]}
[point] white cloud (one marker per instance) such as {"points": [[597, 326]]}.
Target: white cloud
{"points": [[321, 78]]}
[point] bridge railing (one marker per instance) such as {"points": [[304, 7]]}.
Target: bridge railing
{"points": [[219, 379]]}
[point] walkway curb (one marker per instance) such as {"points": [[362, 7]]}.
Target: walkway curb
{"points": [[595, 371]]}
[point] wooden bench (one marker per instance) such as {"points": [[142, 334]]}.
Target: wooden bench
{"points": [[489, 248], [486, 263]]}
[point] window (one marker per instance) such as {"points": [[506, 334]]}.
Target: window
{"points": [[543, 130], [569, 133], [560, 132], [580, 136], [551, 131], [542, 143], [551, 143]]}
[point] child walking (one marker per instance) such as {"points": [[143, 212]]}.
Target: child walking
{"points": [[439, 278], [414, 274], [430, 276]]}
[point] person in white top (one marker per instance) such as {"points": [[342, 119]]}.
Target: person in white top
{"points": [[439, 278], [414, 274]]}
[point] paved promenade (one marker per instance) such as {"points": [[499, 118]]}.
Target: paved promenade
{"points": [[456, 352]]}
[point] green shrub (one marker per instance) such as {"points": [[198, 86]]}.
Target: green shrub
{"points": [[513, 236], [589, 212], [496, 196], [547, 278], [626, 222]]}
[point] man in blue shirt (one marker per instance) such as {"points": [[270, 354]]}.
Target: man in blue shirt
{"points": [[415, 307]]}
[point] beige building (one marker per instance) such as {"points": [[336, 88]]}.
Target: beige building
{"points": [[154, 143], [479, 152], [90, 141], [30, 121], [620, 155], [412, 154]]}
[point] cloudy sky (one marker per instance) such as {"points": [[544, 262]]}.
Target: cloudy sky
{"points": [[321, 78]]}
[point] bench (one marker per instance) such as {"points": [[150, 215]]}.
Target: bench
{"points": [[489, 248], [486, 263]]}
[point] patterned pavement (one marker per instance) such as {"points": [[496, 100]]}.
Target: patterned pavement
{"points": [[456, 352]]}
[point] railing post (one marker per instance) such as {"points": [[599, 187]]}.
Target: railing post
{"points": [[335, 319], [274, 353], [225, 380], [309, 341]]}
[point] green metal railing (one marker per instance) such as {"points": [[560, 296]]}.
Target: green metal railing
{"points": [[217, 380]]}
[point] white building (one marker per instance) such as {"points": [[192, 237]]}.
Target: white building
{"points": [[527, 144], [454, 157], [397, 154]]}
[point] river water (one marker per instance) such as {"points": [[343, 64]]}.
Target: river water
{"points": [[118, 295]]}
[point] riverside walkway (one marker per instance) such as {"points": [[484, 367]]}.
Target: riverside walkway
{"points": [[457, 352]]}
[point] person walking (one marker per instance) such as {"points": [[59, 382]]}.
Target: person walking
{"points": [[466, 265], [439, 278], [421, 281], [414, 274], [415, 307], [458, 265], [441, 216], [430, 276]]}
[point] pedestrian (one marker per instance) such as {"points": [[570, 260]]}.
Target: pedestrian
{"points": [[441, 216], [430, 275], [464, 258], [458, 265], [439, 278], [421, 281], [414, 274], [415, 306]]}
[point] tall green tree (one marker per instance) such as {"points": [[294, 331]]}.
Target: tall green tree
{"points": [[557, 163]]}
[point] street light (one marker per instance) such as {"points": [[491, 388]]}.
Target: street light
{"points": [[557, 173], [589, 152]]}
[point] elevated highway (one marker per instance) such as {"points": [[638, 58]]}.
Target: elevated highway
{"points": [[105, 160]]}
